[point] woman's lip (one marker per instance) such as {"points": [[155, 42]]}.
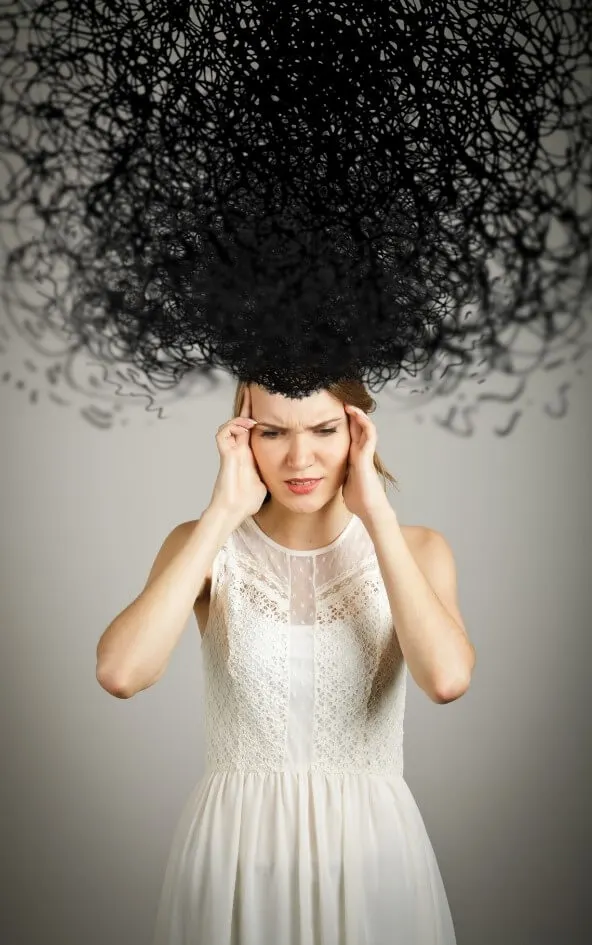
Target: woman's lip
{"points": [[305, 480]]}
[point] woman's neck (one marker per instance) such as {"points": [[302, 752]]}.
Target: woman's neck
{"points": [[304, 531]]}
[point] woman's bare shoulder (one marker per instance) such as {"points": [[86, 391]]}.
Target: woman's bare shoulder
{"points": [[414, 533], [173, 542], [416, 538]]}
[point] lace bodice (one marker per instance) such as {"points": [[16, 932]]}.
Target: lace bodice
{"points": [[262, 596]]}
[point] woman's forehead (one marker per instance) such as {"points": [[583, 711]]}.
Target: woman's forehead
{"points": [[276, 408], [280, 402]]}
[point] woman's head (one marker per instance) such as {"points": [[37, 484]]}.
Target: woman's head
{"points": [[298, 450]]}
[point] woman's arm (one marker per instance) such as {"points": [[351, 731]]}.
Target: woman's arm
{"points": [[422, 595], [134, 650]]}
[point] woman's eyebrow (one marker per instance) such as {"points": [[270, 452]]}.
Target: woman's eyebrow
{"points": [[263, 423]]}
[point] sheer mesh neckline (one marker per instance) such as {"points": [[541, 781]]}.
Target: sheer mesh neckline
{"points": [[299, 552]]}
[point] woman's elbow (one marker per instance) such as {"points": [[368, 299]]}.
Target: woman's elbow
{"points": [[451, 689], [112, 685]]}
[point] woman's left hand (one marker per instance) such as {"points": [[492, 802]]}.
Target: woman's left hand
{"points": [[363, 491]]}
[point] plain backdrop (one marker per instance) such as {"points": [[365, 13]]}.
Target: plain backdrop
{"points": [[92, 786]]}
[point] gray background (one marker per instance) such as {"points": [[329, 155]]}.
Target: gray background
{"points": [[92, 786]]}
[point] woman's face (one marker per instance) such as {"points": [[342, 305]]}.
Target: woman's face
{"points": [[314, 443]]}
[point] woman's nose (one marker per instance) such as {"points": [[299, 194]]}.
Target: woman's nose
{"points": [[299, 449]]}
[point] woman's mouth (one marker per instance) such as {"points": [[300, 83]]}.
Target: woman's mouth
{"points": [[302, 487]]}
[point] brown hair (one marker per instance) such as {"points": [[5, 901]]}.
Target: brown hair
{"points": [[348, 392]]}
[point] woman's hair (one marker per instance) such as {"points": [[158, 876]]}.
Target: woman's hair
{"points": [[348, 392]]}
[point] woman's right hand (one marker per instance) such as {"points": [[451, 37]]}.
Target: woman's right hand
{"points": [[238, 489]]}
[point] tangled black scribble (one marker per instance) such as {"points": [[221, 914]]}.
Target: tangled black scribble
{"points": [[300, 191]]}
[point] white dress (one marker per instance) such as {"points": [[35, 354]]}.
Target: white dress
{"points": [[302, 830]]}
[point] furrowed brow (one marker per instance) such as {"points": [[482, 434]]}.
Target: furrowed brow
{"points": [[323, 423]]}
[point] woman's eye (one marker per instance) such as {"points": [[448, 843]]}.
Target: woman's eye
{"points": [[276, 433]]}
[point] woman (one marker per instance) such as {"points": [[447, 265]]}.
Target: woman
{"points": [[313, 604]]}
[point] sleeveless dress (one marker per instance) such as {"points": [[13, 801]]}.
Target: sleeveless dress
{"points": [[302, 830]]}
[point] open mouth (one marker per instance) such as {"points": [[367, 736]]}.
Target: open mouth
{"points": [[306, 485]]}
